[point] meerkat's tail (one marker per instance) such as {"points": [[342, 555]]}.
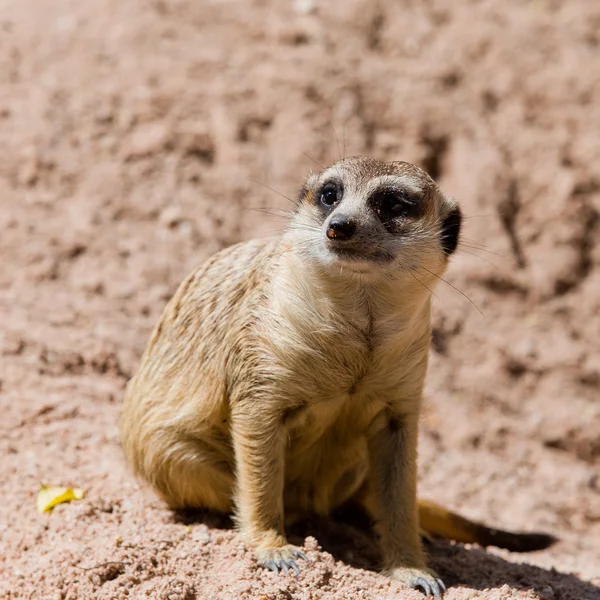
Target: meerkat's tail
{"points": [[440, 522]]}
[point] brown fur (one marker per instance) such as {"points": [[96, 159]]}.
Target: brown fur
{"points": [[282, 381]]}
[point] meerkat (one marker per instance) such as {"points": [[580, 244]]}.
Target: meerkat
{"points": [[286, 375]]}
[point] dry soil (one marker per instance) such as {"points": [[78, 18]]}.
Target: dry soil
{"points": [[132, 137]]}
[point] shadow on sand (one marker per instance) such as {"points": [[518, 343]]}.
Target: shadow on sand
{"points": [[348, 537]]}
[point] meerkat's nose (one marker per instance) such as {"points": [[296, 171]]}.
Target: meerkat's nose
{"points": [[341, 227]]}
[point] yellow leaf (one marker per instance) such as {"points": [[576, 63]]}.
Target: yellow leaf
{"points": [[49, 496]]}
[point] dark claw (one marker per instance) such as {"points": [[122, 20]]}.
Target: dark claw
{"points": [[273, 566], [422, 583], [435, 588], [442, 585], [284, 566], [295, 567], [302, 555]]}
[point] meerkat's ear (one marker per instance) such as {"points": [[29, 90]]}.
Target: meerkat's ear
{"points": [[450, 230]]}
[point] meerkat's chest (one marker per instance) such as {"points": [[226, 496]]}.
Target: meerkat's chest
{"points": [[339, 364], [338, 369], [337, 383]]}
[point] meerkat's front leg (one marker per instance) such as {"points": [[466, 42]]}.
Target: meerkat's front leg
{"points": [[259, 447], [393, 502]]}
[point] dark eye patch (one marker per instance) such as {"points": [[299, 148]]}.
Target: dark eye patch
{"points": [[391, 204]]}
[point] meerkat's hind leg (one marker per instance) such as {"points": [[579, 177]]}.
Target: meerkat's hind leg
{"points": [[192, 475]]}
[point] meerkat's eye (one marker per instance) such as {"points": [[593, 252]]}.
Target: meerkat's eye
{"points": [[330, 194], [395, 203]]}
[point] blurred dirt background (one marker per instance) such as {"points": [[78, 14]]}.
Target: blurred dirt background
{"points": [[132, 135]]}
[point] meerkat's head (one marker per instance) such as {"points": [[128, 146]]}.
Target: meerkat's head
{"points": [[373, 217]]}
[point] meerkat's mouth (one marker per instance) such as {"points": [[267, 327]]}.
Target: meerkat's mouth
{"points": [[355, 256]]}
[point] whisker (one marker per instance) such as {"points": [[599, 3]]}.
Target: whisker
{"points": [[489, 262], [313, 160], [431, 244], [475, 246], [274, 190], [299, 255], [455, 288], [267, 211], [278, 208], [337, 141], [425, 286]]}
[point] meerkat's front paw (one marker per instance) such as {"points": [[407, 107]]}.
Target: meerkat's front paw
{"points": [[283, 558], [426, 579]]}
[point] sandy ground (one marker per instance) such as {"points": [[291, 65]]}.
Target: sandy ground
{"points": [[132, 135]]}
